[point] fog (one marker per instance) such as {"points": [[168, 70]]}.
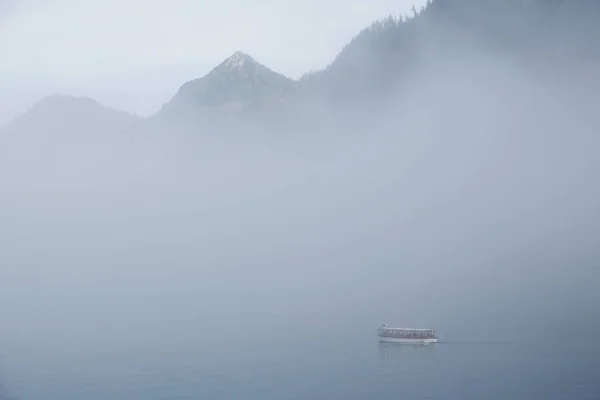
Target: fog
{"points": [[463, 186], [468, 204]]}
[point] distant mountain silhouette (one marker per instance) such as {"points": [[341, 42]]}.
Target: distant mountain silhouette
{"points": [[71, 130], [541, 34], [239, 83], [77, 117], [544, 34]]}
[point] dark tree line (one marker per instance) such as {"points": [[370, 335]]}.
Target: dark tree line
{"points": [[547, 32]]}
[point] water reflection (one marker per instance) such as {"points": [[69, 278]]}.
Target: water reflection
{"points": [[405, 351]]}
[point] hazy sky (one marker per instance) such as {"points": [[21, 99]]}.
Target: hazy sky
{"points": [[134, 54]]}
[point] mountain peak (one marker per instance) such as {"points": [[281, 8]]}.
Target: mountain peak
{"points": [[68, 116], [238, 60], [239, 82]]}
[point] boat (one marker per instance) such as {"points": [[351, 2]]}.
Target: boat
{"points": [[406, 335]]}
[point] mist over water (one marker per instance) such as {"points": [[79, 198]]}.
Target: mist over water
{"points": [[248, 264]]}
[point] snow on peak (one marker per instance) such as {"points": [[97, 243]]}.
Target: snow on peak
{"points": [[238, 60]]}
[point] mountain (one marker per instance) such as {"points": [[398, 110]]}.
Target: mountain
{"points": [[538, 34], [68, 116], [374, 67], [74, 131], [239, 83]]}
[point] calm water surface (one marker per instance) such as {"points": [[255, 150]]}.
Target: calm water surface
{"points": [[308, 332], [350, 365]]}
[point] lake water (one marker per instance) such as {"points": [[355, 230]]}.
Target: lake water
{"points": [[167, 341], [349, 368]]}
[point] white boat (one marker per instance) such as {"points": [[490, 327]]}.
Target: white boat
{"points": [[406, 335]]}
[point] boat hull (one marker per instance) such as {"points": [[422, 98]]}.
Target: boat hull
{"points": [[407, 340]]}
